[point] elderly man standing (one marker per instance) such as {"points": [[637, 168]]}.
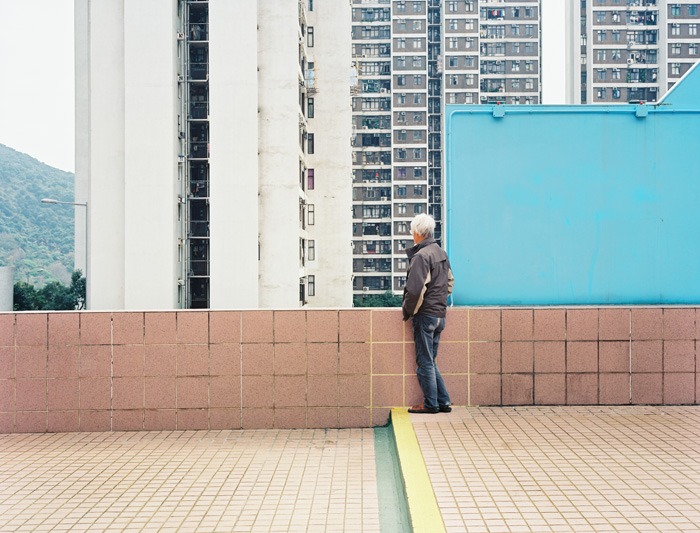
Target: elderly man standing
{"points": [[429, 281]]}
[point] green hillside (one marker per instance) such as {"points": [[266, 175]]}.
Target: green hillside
{"points": [[37, 239]]}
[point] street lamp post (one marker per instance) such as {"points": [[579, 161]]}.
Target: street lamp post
{"points": [[87, 228]]}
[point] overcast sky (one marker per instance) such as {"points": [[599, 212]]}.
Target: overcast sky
{"points": [[36, 88], [37, 85]]}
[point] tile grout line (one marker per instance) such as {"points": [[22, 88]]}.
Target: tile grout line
{"points": [[423, 509]]}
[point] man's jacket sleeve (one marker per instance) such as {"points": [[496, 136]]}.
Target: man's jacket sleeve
{"points": [[416, 285]]}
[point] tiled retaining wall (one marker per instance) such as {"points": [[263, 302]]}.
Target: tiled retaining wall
{"points": [[99, 371]]}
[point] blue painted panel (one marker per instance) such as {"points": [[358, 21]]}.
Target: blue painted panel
{"points": [[554, 205]]}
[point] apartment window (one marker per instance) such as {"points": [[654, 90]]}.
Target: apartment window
{"points": [[417, 98], [676, 49], [400, 153], [529, 29], [616, 36], [417, 172], [402, 264], [601, 93], [516, 48], [401, 81], [676, 69], [401, 135], [401, 209], [515, 84], [529, 48], [401, 98], [600, 17], [675, 10], [693, 10], [452, 43], [528, 12], [451, 98], [416, 153], [417, 80], [310, 36], [616, 74], [310, 144], [600, 55], [693, 49], [469, 98], [401, 116], [401, 25], [616, 93], [416, 7], [515, 66], [311, 214], [470, 79], [401, 7], [310, 179], [528, 66], [401, 43], [452, 6], [529, 83], [454, 24], [417, 209], [453, 80], [615, 54], [692, 29], [311, 252], [453, 61], [601, 74], [401, 173], [469, 24], [417, 25], [400, 191], [469, 61], [311, 286], [417, 135], [601, 36], [675, 29], [310, 108], [417, 190], [401, 61], [417, 44], [417, 61], [515, 29]]}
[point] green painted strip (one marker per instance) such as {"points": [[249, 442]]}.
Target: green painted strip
{"points": [[422, 505], [393, 510]]}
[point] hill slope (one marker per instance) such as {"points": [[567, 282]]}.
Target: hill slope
{"points": [[35, 238]]}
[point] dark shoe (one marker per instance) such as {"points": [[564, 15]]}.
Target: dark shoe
{"points": [[421, 409], [445, 408]]}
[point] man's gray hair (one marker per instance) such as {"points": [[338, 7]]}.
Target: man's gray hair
{"points": [[423, 225]]}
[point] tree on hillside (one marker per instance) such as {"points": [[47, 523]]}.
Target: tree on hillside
{"points": [[54, 296], [388, 299]]}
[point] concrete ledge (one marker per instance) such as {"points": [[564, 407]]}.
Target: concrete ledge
{"points": [[102, 371]]}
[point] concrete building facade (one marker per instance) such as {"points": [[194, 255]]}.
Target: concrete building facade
{"points": [[196, 153], [412, 58], [635, 50]]}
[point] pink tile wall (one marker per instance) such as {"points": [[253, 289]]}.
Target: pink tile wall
{"points": [[102, 371]]}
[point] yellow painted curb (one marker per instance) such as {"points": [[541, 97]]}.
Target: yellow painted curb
{"points": [[422, 505]]}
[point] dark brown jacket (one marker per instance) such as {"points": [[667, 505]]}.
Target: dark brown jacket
{"points": [[428, 281]]}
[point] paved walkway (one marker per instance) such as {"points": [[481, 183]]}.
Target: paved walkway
{"points": [[564, 468], [492, 469], [264, 480]]}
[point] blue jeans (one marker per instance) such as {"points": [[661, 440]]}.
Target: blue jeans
{"points": [[426, 336]]}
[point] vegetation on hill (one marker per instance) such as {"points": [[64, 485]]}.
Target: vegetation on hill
{"points": [[388, 299], [54, 296], [37, 239]]}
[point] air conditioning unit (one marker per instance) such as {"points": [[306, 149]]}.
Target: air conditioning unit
{"points": [[385, 198], [180, 78], [180, 36], [630, 61]]}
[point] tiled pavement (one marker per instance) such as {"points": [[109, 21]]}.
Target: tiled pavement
{"points": [[565, 468], [253, 480], [492, 469]]}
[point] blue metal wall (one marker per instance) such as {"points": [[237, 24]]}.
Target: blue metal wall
{"points": [[553, 205]]}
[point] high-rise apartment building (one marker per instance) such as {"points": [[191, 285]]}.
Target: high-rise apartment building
{"points": [[635, 50], [212, 149], [412, 58]]}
